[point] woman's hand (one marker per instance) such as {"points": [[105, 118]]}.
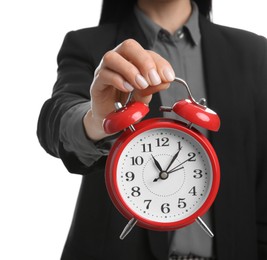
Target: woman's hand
{"points": [[126, 68]]}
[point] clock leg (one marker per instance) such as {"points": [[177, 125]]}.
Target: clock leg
{"points": [[128, 228], [204, 226]]}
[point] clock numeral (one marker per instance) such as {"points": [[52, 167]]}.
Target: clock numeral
{"points": [[193, 191], [129, 176], [181, 203], [138, 160], [148, 203], [192, 157], [136, 191], [165, 208], [147, 148], [198, 174], [164, 141]]}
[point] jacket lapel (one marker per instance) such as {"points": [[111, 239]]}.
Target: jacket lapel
{"points": [[220, 85]]}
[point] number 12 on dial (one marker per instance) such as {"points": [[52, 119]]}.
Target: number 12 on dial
{"points": [[163, 175]]}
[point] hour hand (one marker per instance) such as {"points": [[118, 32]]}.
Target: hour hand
{"points": [[157, 163], [163, 175]]}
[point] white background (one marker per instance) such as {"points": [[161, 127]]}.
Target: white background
{"points": [[37, 194]]}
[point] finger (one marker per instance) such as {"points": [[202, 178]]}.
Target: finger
{"points": [[107, 82], [141, 59], [105, 78], [154, 68], [164, 68], [115, 62]]}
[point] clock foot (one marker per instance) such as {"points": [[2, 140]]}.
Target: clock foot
{"points": [[204, 226], [128, 228]]}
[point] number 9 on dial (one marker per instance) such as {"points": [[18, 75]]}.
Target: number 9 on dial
{"points": [[162, 174]]}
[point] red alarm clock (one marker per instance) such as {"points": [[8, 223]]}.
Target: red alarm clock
{"points": [[162, 174]]}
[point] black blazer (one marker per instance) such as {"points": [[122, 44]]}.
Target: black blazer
{"points": [[235, 65]]}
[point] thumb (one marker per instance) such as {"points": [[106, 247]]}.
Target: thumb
{"points": [[142, 98], [145, 95]]}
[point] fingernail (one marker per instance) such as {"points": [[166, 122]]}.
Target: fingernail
{"points": [[168, 74], [154, 77], [141, 81], [128, 86]]}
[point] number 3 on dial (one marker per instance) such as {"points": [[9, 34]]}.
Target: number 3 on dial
{"points": [[163, 175]]}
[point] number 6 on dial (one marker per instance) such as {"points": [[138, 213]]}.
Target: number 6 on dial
{"points": [[162, 174]]}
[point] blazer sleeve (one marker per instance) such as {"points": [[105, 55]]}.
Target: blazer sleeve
{"points": [[261, 121], [76, 67]]}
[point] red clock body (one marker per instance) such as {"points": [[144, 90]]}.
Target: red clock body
{"points": [[163, 174]]}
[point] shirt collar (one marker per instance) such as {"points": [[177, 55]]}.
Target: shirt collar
{"points": [[152, 30], [193, 25]]}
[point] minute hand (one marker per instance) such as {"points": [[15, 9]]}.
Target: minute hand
{"points": [[173, 159], [176, 168]]}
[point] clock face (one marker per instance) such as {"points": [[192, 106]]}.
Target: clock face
{"points": [[163, 175]]}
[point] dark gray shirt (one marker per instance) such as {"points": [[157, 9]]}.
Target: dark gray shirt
{"points": [[183, 50]]}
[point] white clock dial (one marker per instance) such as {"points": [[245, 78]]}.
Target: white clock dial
{"points": [[164, 175]]}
